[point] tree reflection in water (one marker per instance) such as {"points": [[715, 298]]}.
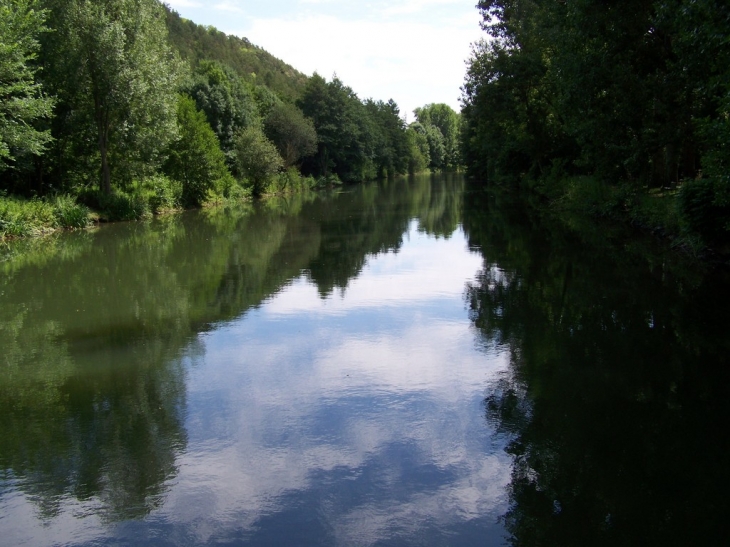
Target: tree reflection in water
{"points": [[98, 329], [617, 401]]}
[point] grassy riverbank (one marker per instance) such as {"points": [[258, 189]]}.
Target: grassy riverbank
{"points": [[25, 218]]}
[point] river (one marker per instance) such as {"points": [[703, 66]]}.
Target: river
{"points": [[401, 363]]}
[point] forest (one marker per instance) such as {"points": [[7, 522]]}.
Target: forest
{"points": [[616, 108], [121, 109]]}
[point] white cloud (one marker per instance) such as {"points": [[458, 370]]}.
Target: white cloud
{"points": [[228, 7], [412, 61], [177, 4]]}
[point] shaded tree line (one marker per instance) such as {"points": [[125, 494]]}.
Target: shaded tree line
{"points": [[632, 94]]}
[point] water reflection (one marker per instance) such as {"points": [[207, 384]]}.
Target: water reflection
{"points": [[303, 372], [615, 404]]}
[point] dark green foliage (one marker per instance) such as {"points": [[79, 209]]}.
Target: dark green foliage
{"points": [[703, 211], [357, 140], [195, 158], [227, 100], [292, 133], [116, 76], [625, 92], [419, 156], [257, 158], [22, 101], [123, 206], [390, 140]]}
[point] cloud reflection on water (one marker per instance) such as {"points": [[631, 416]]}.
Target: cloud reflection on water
{"points": [[310, 397]]}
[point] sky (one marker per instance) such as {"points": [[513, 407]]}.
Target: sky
{"points": [[411, 51]]}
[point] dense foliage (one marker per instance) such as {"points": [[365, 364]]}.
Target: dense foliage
{"points": [[626, 92], [132, 110], [22, 99]]}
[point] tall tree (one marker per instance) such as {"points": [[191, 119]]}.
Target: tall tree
{"points": [[123, 74], [21, 98], [195, 158]]}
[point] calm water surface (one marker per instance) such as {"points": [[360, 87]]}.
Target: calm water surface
{"points": [[397, 364]]}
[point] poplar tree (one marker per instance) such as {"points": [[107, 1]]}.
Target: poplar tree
{"points": [[123, 75]]}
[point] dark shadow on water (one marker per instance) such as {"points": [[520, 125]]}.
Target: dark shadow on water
{"points": [[617, 402]]}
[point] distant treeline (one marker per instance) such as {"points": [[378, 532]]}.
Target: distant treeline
{"points": [[607, 100], [132, 110]]}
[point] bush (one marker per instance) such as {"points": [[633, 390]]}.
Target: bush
{"points": [[122, 206], [328, 181], [69, 213], [289, 181], [160, 192]]}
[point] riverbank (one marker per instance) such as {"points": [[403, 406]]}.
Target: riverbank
{"points": [[584, 204], [35, 217], [661, 212]]}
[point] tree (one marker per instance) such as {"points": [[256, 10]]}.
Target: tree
{"points": [[391, 149], [419, 156], [21, 98], [257, 157], [195, 158], [446, 120], [123, 73], [227, 100], [345, 139], [292, 133]]}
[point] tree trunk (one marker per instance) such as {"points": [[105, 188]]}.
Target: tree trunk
{"points": [[105, 184]]}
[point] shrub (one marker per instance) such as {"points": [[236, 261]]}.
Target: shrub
{"points": [[160, 192], [20, 218], [122, 206], [69, 213]]}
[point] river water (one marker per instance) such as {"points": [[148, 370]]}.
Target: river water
{"points": [[403, 363]]}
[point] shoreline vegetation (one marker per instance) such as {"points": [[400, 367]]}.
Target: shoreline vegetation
{"points": [[114, 110], [616, 110]]}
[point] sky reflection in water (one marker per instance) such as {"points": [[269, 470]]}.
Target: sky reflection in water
{"points": [[352, 419]]}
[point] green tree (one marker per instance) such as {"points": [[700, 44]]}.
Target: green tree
{"points": [[257, 158], [123, 74], [345, 134], [292, 133], [391, 150], [195, 158], [228, 101], [419, 157], [21, 98], [446, 120]]}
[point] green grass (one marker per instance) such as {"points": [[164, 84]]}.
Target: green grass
{"points": [[26, 218]]}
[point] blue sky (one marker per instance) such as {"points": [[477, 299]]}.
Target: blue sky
{"points": [[412, 51]]}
